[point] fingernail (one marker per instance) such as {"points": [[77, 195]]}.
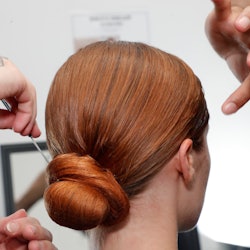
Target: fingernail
{"points": [[244, 22], [12, 227], [230, 108]]}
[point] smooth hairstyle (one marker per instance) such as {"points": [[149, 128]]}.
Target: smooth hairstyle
{"points": [[116, 113]]}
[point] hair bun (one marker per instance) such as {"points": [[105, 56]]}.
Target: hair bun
{"points": [[82, 195]]}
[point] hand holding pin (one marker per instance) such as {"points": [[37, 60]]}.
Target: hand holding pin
{"points": [[8, 107]]}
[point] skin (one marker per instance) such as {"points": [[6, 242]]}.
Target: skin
{"points": [[20, 232], [172, 202], [228, 30], [21, 95]]}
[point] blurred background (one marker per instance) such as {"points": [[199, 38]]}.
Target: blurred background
{"points": [[38, 36]]}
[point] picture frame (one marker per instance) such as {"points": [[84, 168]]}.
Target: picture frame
{"points": [[11, 154]]}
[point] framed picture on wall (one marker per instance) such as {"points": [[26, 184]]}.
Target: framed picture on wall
{"points": [[21, 165]]}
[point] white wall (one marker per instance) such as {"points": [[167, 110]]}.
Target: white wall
{"points": [[37, 36]]}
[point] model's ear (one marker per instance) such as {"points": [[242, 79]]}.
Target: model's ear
{"points": [[186, 161]]}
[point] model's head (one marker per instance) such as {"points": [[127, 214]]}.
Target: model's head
{"points": [[116, 113]]}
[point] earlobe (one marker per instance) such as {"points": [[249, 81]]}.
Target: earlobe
{"points": [[186, 167]]}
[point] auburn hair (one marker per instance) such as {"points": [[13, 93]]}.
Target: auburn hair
{"points": [[116, 113]]}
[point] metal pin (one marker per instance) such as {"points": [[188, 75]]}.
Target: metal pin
{"points": [[6, 104], [39, 149], [8, 107]]}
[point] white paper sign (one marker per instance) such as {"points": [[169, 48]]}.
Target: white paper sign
{"points": [[92, 27]]}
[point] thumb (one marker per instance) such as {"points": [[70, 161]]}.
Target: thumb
{"points": [[238, 98]]}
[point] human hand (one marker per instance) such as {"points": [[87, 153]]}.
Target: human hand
{"points": [[21, 95], [228, 30], [20, 232]]}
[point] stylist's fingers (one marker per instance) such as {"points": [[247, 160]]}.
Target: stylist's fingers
{"points": [[4, 221], [41, 245], [20, 122], [21, 95], [25, 124], [6, 120], [26, 111], [242, 23], [27, 228], [17, 215], [238, 98], [222, 9], [35, 132]]}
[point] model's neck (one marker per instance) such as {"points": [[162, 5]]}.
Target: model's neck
{"points": [[152, 222], [144, 229], [141, 237]]}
